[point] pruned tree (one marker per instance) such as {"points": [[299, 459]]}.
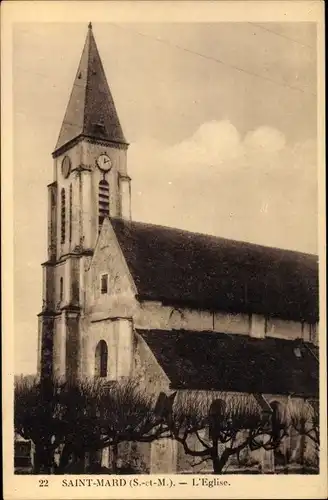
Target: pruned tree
{"points": [[35, 419], [107, 414], [87, 416], [234, 423], [305, 419]]}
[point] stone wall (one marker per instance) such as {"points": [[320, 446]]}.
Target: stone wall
{"points": [[85, 184], [155, 315], [163, 457], [147, 370], [284, 329], [108, 259]]}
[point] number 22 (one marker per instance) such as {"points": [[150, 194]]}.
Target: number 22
{"points": [[43, 482]]}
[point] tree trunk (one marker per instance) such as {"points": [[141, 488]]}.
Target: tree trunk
{"points": [[114, 457], [220, 462], [64, 458], [302, 453], [43, 459]]}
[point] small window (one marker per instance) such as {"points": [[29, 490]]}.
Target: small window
{"points": [[99, 128], [104, 283], [297, 352], [61, 289]]}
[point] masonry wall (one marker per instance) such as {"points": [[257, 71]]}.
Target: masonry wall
{"points": [[149, 315], [103, 330], [119, 301], [59, 346], [147, 370]]}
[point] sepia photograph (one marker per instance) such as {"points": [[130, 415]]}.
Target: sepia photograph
{"points": [[166, 300]]}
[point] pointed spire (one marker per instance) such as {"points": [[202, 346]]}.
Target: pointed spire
{"points": [[91, 110]]}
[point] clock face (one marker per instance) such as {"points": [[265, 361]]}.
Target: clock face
{"points": [[104, 162], [66, 166]]}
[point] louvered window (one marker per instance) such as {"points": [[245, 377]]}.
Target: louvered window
{"points": [[63, 215], [103, 201]]}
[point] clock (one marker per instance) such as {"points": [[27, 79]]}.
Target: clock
{"points": [[66, 166], [104, 162]]}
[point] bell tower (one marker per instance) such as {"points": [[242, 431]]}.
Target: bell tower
{"points": [[90, 182]]}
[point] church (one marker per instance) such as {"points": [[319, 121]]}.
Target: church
{"points": [[176, 309]]}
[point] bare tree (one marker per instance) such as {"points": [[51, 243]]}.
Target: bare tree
{"points": [[108, 413], [82, 417], [304, 419], [235, 421], [35, 419]]}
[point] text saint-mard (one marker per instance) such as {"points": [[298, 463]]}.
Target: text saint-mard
{"points": [[87, 482]]}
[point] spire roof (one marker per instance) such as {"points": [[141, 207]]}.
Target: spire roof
{"points": [[91, 110]]}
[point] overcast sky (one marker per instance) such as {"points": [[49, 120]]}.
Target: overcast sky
{"points": [[221, 119]]}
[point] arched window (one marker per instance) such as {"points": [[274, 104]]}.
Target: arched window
{"points": [[63, 215], [70, 211], [103, 201], [101, 359]]}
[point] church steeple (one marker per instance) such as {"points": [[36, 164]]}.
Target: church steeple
{"points": [[91, 110], [90, 184]]}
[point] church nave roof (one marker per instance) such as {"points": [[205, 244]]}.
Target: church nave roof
{"points": [[233, 362], [207, 272]]}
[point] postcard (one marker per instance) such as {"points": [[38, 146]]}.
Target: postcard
{"points": [[163, 187]]}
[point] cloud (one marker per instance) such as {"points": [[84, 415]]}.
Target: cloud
{"points": [[256, 188], [266, 139]]}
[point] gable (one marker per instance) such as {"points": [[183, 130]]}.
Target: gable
{"points": [[108, 259]]}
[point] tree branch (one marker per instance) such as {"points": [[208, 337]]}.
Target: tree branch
{"points": [[202, 441], [189, 451], [205, 459]]}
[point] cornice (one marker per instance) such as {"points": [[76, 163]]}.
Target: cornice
{"points": [[91, 140]]}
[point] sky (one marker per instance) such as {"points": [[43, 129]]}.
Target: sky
{"points": [[221, 121]]}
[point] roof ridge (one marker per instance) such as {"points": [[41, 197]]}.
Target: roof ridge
{"points": [[215, 237]]}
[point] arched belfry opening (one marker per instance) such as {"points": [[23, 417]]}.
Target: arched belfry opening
{"points": [[103, 201], [70, 211], [63, 215], [101, 359]]}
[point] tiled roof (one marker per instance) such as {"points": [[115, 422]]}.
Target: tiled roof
{"points": [[91, 110], [202, 271], [218, 361]]}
